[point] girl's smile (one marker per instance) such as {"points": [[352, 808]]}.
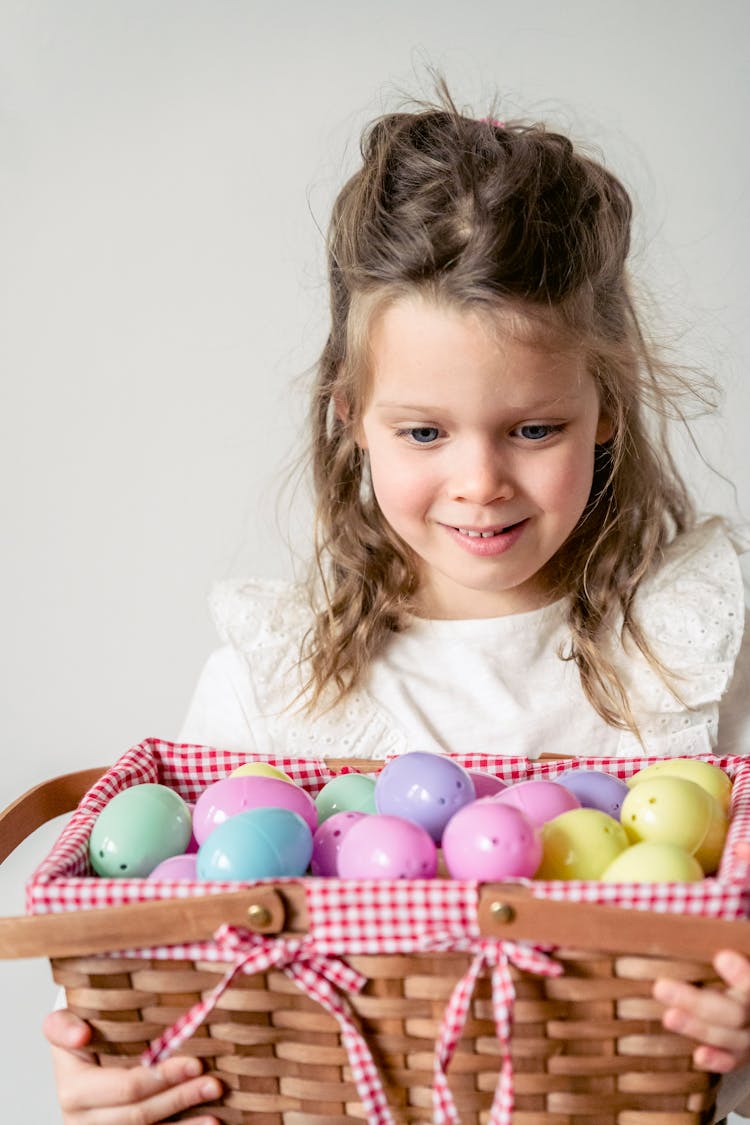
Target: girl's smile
{"points": [[481, 451]]}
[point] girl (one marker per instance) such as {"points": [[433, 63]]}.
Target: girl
{"points": [[506, 553]]}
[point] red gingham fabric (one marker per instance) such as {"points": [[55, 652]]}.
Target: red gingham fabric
{"points": [[348, 917], [496, 954], [319, 977]]}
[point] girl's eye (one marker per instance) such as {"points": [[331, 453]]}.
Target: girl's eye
{"points": [[536, 431], [422, 435]]}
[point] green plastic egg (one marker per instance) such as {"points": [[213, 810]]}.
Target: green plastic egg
{"points": [[349, 792], [580, 844], [137, 829]]}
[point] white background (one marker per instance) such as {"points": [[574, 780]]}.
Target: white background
{"points": [[166, 168]]}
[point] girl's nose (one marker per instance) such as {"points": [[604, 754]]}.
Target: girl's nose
{"points": [[482, 476]]}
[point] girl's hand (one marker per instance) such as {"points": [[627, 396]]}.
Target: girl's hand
{"points": [[94, 1095], [720, 1021]]}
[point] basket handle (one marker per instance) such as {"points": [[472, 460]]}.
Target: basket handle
{"points": [[511, 912]]}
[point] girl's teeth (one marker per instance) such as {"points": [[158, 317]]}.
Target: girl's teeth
{"points": [[478, 534]]}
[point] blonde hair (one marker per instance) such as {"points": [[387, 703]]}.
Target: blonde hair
{"points": [[489, 217]]}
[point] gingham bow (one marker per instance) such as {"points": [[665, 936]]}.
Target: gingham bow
{"points": [[498, 955], [321, 976]]}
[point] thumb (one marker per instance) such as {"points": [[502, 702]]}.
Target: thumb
{"points": [[66, 1031]]}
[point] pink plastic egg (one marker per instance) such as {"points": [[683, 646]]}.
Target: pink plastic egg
{"points": [[192, 848], [488, 840], [176, 867], [387, 847], [539, 800], [486, 784], [327, 841], [233, 795]]}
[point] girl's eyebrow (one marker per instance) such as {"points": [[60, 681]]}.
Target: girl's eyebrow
{"points": [[522, 408]]}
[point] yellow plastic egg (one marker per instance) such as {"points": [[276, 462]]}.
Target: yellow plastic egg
{"points": [[709, 777], [580, 844], [668, 810], [710, 851], [653, 863], [261, 769]]}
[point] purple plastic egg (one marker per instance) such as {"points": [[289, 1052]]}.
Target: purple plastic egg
{"points": [[327, 841], [488, 840], [176, 867], [233, 795], [596, 789], [425, 788], [387, 847], [486, 784], [539, 800]]}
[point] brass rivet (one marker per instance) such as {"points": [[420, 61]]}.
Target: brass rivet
{"points": [[502, 912], [259, 915]]}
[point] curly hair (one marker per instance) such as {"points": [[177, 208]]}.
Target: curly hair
{"points": [[489, 217]]}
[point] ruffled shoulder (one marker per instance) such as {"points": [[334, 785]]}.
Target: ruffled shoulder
{"points": [[266, 621], [252, 613], [692, 612]]}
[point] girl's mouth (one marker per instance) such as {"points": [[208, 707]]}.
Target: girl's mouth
{"points": [[490, 533], [486, 541]]}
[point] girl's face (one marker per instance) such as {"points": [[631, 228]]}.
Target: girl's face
{"points": [[482, 454]]}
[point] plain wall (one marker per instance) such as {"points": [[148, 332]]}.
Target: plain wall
{"points": [[166, 169]]}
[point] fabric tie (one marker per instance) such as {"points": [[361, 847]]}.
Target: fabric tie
{"points": [[320, 976], [498, 955]]}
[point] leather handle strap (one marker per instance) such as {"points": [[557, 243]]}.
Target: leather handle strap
{"points": [[511, 912]]}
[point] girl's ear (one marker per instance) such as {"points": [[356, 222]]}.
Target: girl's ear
{"points": [[605, 429]]}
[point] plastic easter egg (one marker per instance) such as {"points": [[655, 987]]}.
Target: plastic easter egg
{"points": [[489, 840], [176, 867], [668, 810], [710, 851], [596, 789], [653, 863], [387, 847], [137, 829], [708, 776], [539, 800], [580, 844], [261, 769], [486, 784], [327, 840], [192, 847], [348, 792], [232, 795], [261, 843], [426, 788]]}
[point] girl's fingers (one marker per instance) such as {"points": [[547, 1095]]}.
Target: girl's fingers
{"points": [[159, 1091], [717, 1020], [66, 1032], [146, 1103], [94, 1095], [734, 969]]}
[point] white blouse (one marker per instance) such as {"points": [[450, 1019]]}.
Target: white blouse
{"points": [[497, 685]]}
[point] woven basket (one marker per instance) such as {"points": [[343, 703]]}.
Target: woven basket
{"points": [[586, 1046]]}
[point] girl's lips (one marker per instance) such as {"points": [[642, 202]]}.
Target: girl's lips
{"points": [[477, 541]]}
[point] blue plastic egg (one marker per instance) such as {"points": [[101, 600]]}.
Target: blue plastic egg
{"points": [[261, 843]]}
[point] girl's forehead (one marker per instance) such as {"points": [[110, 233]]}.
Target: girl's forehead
{"points": [[417, 321], [418, 337]]}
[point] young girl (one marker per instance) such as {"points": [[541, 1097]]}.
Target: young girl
{"points": [[506, 554]]}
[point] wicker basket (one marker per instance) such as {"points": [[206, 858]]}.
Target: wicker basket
{"points": [[587, 1046]]}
